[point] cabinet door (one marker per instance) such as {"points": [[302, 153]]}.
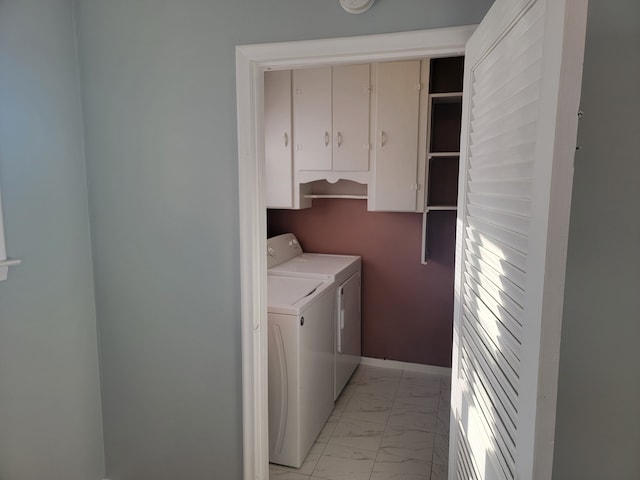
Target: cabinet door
{"points": [[312, 118], [397, 93], [277, 139], [348, 331], [351, 92]]}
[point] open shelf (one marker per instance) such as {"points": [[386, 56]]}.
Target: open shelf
{"points": [[439, 237], [443, 181], [446, 121], [352, 197], [443, 154], [442, 208], [446, 74], [446, 97]]}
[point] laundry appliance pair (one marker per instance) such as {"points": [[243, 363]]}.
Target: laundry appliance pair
{"points": [[314, 319]]}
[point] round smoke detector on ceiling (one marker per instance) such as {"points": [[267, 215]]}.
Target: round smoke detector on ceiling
{"points": [[356, 6]]}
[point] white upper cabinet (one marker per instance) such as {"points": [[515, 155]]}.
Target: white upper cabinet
{"points": [[325, 124], [278, 140], [312, 118], [395, 182], [351, 95], [331, 119]]}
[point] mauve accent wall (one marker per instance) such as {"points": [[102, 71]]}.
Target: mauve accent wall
{"points": [[407, 307]]}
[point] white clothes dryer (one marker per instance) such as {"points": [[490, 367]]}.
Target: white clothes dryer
{"points": [[286, 258], [300, 332]]}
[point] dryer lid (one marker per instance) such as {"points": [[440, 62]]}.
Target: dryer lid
{"points": [[289, 291]]}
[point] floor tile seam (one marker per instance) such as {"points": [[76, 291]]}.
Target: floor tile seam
{"points": [[404, 457], [386, 424], [413, 429], [428, 462], [366, 450], [389, 417], [395, 393], [433, 451], [411, 408], [394, 403], [370, 400], [323, 449], [339, 444], [362, 449], [350, 417]]}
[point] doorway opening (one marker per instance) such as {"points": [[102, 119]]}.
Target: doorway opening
{"points": [[251, 63]]}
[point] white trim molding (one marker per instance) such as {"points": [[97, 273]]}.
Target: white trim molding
{"points": [[251, 62], [5, 262]]}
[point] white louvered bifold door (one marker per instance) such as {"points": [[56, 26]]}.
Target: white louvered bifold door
{"points": [[522, 87]]}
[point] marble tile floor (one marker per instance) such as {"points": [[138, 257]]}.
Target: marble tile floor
{"points": [[387, 424]]}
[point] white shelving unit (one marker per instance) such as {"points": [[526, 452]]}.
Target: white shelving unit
{"points": [[435, 152]]}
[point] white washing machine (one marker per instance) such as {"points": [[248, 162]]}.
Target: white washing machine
{"points": [[300, 326], [285, 257]]}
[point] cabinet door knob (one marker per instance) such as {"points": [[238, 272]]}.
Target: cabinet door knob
{"points": [[339, 139], [326, 139], [383, 138], [286, 139]]}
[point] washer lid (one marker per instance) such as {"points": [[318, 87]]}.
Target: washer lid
{"points": [[288, 291]]}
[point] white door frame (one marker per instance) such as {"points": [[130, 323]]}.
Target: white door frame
{"points": [[251, 62]]}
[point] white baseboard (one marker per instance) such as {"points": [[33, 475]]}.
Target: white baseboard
{"points": [[412, 367]]}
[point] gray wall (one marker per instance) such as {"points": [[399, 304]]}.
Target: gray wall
{"points": [[160, 123], [50, 425], [159, 98], [598, 425]]}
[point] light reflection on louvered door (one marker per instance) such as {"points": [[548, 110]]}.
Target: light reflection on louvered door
{"points": [[522, 88]]}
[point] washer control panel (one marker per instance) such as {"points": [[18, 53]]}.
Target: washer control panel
{"points": [[282, 248]]}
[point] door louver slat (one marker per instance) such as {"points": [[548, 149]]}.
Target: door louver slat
{"points": [[524, 39], [485, 450], [492, 417], [485, 142], [508, 171], [503, 251], [501, 260], [486, 275], [500, 187], [514, 223], [517, 86], [494, 115], [518, 153], [483, 365], [503, 356], [507, 203], [466, 469], [508, 329], [493, 233], [492, 296]]}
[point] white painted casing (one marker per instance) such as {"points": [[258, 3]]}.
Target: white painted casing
{"points": [[251, 62]]}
